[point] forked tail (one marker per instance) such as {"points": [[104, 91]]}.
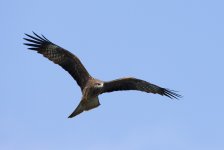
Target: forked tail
{"points": [[90, 104]]}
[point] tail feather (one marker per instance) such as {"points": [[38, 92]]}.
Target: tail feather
{"points": [[91, 104], [79, 109]]}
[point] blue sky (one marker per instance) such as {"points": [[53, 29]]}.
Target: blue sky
{"points": [[176, 44]]}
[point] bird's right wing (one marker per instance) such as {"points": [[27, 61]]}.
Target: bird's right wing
{"points": [[137, 84], [60, 56]]}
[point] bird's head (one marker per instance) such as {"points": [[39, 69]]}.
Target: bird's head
{"points": [[98, 84]]}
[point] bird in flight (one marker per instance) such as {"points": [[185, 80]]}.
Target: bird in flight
{"points": [[91, 87]]}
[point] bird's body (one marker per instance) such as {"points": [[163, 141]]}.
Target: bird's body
{"points": [[90, 98], [91, 88]]}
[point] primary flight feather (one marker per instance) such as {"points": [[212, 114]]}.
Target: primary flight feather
{"points": [[91, 88]]}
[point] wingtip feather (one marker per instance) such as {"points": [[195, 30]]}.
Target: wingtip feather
{"points": [[172, 94], [35, 40]]}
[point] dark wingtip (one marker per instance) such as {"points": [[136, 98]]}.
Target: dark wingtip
{"points": [[35, 40], [34, 33], [172, 94], [45, 38]]}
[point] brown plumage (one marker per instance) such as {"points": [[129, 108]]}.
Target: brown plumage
{"points": [[90, 86]]}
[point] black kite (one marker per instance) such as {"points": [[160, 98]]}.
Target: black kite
{"points": [[90, 86]]}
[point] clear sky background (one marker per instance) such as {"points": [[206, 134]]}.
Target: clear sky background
{"points": [[178, 44]]}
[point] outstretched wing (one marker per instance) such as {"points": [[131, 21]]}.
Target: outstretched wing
{"points": [[137, 84], [60, 56]]}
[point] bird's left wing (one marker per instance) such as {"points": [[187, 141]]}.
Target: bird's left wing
{"points": [[60, 56], [137, 84]]}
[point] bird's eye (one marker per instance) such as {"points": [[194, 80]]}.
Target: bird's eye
{"points": [[98, 84]]}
